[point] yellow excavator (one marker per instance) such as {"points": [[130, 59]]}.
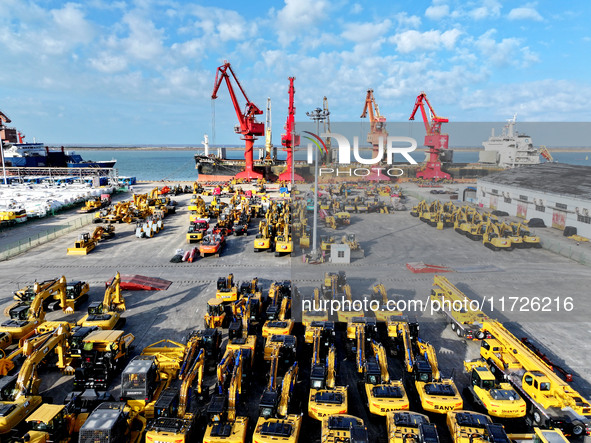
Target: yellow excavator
{"points": [[382, 394], [19, 394], [492, 238], [147, 375], [263, 240], [340, 428], [283, 241], [216, 316], [111, 422], [410, 427], [529, 240], [274, 421], [107, 314], [53, 289], [227, 289], [437, 394], [279, 325], [325, 397], [224, 426], [472, 427], [24, 319], [175, 419]]}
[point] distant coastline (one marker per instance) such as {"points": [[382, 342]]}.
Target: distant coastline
{"points": [[237, 148]]}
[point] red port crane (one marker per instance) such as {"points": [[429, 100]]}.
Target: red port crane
{"points": [[434, 140], [249, 127], [377, 129], [289, 140]]}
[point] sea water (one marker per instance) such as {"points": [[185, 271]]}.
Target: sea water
{"points": [[179, 164]]}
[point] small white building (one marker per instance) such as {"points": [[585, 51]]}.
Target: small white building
{"points": [[340, 253], [559, 194]]}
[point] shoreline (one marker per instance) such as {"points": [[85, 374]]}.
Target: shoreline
{"points": [[237, 148]]}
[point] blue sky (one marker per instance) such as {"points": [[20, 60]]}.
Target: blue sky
{"points": [[142, 71]]}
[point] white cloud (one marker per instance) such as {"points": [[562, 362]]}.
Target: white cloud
{"points": [[356, 8], [144, 41], [506, 52], [484, 9], [70, 20], [433, 40], [297, 17], [525, 13], [365, 32], [437, 12], [108, 63], [542, 100], [406, 21]]}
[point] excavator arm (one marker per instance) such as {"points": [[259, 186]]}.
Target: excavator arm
{"points": [[27, 381], [360, 341], [330, 373], [36, 309], [404, 332], [380, 353], [235, 387], [287, 386], [428, 351], [223, 368], [196, 371], [113, 298]]}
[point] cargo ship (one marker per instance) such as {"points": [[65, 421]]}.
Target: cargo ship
{"points": [[216, 167], [19, 154]]}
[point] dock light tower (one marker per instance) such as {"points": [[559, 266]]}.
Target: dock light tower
{"points": [[318, 115]]}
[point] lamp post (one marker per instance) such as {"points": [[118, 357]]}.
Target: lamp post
{"points": [[2, 154], [318, 115]]}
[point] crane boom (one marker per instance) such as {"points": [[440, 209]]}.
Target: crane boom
{"points": [[248, 127], [434, 140], [290, 139]]}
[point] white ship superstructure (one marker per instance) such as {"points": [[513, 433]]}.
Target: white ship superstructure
{"points": [[510, 149]]}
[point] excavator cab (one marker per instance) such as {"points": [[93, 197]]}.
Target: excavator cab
{"points": [[20, 313], [373, 374], [216, 314], [483, 378], [48, 423], [95, 308], [140, 378], [423, 371]]}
